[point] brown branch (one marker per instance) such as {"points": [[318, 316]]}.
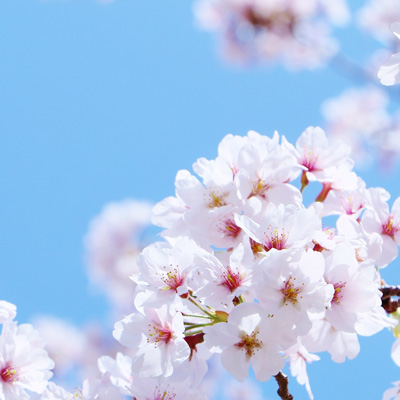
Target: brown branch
{"points": [[390, 305], [283, 383]]}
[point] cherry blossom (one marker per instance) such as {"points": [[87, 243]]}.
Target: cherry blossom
{"points": [[354, 288], [246, 271], [158, 337], [379, 219], [250, 337], [24, 364], [359, 117], [377, 15], [293, 32], [113, 244], [282, 227], [298, 357], [291, 288]]}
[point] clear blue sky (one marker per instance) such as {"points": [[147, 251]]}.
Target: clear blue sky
{"points": [[104, 102]]}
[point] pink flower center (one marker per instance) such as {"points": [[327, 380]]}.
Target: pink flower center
{"points": [[289, 291], [390, 228], [216, 200], [163, 395], [159, 334], [309, 159], [348, 205], [274, 239], [230, 280], [338, 295], [230, 229], [235, 170], [249, 344], [173, 279], [259, 189], [8, 374]]}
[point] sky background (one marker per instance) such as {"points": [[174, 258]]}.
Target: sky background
{"points": [[103, 102]]}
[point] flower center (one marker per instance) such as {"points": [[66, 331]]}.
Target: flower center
{"points": [[274, 239], [163, 394], [289, 291], [8, 374], [390, 228], [159, 334], [230, 280], [309, 159], [230, 229], [216, 200], [250, 344], [172, 279], [338, 295], [259, 189]]}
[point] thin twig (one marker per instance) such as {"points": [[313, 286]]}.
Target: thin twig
{"points": [[283, 383]]}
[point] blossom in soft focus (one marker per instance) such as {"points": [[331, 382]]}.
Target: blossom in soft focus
{"points": [[376, 16], [112, 246], [294, 32], [359, 118], [65, 343]]}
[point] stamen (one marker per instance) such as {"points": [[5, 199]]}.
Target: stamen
{"points": [[390, 228], [230, 279], [159, 334], [250, 344], [337, 296], [8, 374], [290, 292]]}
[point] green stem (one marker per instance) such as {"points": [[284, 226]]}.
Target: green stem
{"points": [[193, 333], [201, 308], [195, 316], [197, 326]]}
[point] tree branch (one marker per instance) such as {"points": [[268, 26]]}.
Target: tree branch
{"points": [[390, 305], [283, 383]]}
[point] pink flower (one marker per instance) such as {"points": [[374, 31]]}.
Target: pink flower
{"points": [[250, 337], [377, 218], [24, 364], [292, 287], [158, 337], [356, 290]]}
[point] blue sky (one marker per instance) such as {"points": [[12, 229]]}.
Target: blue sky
{"points": [[101, 102]]}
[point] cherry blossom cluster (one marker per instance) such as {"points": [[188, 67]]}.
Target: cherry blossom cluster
{"points": [[294, 32], [254, 270]]}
